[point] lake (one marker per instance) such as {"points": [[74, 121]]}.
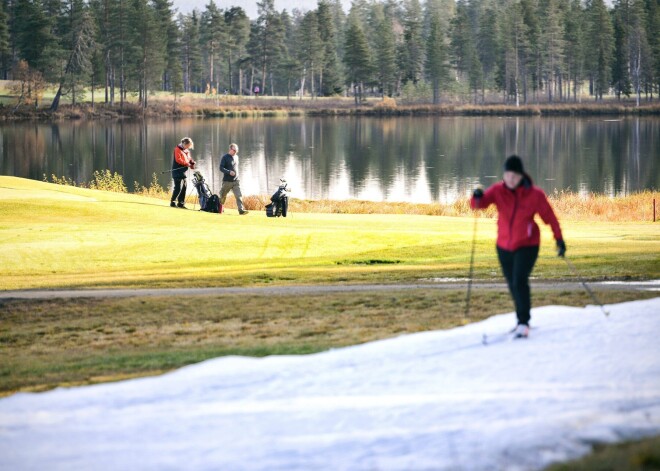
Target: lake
{"points": [[415, 159]]}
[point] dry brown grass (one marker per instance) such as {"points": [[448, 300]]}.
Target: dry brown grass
{"points": [[591, 206], [235, 106], [567, 205]]}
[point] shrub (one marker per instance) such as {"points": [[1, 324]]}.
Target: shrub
{"points": [[108, 181]]}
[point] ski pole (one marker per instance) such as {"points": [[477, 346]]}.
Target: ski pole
{"points": [[586, 287], [469, 289]]}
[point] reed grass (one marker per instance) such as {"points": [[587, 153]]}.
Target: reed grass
{"points": [[567, 205], [279, 107]]}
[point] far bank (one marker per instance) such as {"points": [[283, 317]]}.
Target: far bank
{"points": [[273, 107]]}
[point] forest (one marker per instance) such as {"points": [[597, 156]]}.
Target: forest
{"points": [[486, 51]]}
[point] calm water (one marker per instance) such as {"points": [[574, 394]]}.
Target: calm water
{"points": [[394, 159]]}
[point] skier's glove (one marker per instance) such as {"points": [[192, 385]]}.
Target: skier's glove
{"points": [[478, 193], [561, 248]]}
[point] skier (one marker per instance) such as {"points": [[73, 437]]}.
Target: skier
{"points": [[518, 237]]}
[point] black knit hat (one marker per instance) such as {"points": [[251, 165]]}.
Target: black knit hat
{"points": [[514, 164]]}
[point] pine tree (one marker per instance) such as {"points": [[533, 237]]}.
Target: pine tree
{"points": [[574, 45], [269, 39], [464, 47], [310, 49], [653, 17], [488, 46], [437, 69], [384, 47], [32, 31], [81, 49], [213, 39], [530, 58], [640, 52], [552, 42], [166, 24], [149, 49], [5, 47], [600, 45], [620, 64], [190, 50], [413, 40], [514, 59], [330, 73], [238, 32], [357, 57]]}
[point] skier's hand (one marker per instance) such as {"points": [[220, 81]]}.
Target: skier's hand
{"points": [[232, 173], [561, 248], [478, 193]]}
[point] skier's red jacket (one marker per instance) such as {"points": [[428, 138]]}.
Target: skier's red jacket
{"points": [[516, 209]]}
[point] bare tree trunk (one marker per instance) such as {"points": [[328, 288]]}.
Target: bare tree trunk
{"points": [[211, 58], [263, 79], [231, 78]]}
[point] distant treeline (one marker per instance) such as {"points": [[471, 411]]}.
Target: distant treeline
{"points": [[518, 51]]}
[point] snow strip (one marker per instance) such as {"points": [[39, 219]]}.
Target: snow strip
{"points": [[434, 400]]}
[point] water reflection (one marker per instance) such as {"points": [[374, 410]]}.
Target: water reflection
{"points": [[393, 159]]}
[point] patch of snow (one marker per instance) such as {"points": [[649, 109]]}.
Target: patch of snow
{"points": [[624, 283], [433, 400], [445, 280]]}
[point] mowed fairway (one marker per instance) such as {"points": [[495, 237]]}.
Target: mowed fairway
{"points": [[54, 236]]}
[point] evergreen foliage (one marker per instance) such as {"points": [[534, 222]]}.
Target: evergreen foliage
{"points": [[511, 51]]}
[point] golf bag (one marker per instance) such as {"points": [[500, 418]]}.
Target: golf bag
{"points": [[207, 201], [279, 205]]}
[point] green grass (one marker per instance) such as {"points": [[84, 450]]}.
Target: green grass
{"points": [[52, 343], [639, 455], [54, 236]]}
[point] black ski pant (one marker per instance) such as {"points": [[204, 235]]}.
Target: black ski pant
{"points": [[516, 267], [180, 187]]}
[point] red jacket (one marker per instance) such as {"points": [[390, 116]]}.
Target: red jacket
{"points": [[182, 156], [516, 209]]}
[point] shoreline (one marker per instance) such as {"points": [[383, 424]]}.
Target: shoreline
{"points": [[274, 108]]}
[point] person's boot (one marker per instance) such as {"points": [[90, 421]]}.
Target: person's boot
{"points": [[181, 205], [172, 204], [521, 331]]}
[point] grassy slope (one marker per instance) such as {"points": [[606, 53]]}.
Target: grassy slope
{"points": [[57, 236]]}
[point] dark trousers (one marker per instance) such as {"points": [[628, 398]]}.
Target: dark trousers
{"points": [[516, 267], [180, 187]]}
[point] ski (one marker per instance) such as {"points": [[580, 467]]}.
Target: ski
{"points": [[489, 339]]}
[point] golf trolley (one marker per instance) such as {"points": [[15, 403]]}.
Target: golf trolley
{"points": [[279, 205]]}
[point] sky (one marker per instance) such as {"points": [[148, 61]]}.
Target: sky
{"points": [[250, 6], [432, 400]]}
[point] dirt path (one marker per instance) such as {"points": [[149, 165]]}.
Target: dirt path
{"points": [[294, 290]]}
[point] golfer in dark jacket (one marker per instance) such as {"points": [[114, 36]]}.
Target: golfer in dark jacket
{"points": [[230, 181], [181, 162], [518, 237]]}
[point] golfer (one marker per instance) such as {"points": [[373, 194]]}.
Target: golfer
{"points": [[230, 181], [181, 162], [518, 237]]}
